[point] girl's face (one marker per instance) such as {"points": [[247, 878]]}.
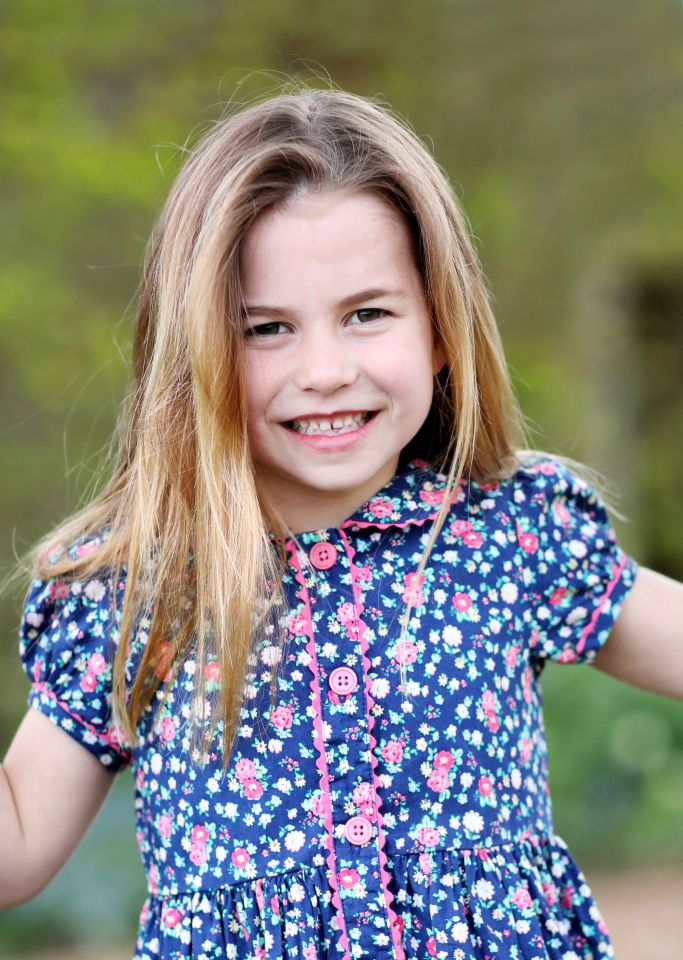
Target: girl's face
{"points": [[340, 352]]}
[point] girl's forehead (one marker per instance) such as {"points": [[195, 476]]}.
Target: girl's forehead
{"points": [[325, 233]]}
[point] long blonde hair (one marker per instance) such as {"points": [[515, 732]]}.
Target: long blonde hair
{"points": [[181, 511]]}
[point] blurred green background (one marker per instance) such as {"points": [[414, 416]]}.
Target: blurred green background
{"points": [[560, 128]]}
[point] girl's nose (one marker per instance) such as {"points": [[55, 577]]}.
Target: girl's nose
{"points": [[325, 363]]}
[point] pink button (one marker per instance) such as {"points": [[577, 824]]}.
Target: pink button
{"points": [[343, 680], [358, 830], [323, 555]]}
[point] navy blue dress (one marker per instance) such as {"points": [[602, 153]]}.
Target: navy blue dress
{"points": [[360, 818]]}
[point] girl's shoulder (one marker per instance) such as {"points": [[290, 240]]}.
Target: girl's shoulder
{"points": [[541, 482]]}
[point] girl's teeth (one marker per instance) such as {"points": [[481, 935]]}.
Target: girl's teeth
{"points": [[344, 424]]}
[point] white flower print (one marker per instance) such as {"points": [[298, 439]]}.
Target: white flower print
{"points": [[509, 592], [452, 635], [294, 840], [94, 590], [484, 889], [473, 822]]}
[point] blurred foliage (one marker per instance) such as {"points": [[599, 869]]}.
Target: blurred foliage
{"points": [[559, 126]]}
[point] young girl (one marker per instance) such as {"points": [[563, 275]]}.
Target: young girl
{"points": [[312, 605]]}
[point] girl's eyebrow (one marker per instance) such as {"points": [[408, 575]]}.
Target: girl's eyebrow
{"points": [[373, 293]]}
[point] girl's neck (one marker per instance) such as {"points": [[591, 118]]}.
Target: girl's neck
{"points": [[303, 511]]}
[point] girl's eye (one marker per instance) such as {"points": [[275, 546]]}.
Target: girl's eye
{"points": [[368, 314], [265, 329]]}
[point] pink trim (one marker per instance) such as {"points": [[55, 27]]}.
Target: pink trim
{"points": [[319, 741], [384, 525], [106, 738], [616, 576], [369, 703]]}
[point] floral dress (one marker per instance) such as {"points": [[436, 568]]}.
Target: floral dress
{"points": [[359, 818]]}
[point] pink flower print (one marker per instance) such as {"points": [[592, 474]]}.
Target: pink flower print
{"points": [[258, 891], [318, 806], [522, 898], [429, 836], [432, 497], [368, 811], [164, 825], [561, 514], [527, 541], [460, 527], [59, 590], [438, 780], [602, 927], [88, 682], [37, 668], [362, 574], [96, 664], [199, 834], [346, 614], [550, 893], [240, 857], [488, 700], [281, 717], [212, 671], [462, 602], [526, 685], [381, 508], [84, 549], [547, 468], [172, 917], [431, 947], [275, 904], [363, 792], [492, 722], [567, 656], [310, 952], [511, 657], [525, 749], [567, 897], [406, 652], [425, 862], [298, 624], [168, 728], [399, 924], [348, 877], [144, 913], [413, 589], [443, 760], [473, 539], [392, 751], [557, 596], [253, 789], [154, 879], [198, 854], [245, 770], [485, 786]]}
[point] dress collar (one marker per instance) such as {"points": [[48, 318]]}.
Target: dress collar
{"points": [[413, 495]]}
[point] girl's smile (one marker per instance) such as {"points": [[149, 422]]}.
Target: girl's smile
{"points": [[340, 354]]}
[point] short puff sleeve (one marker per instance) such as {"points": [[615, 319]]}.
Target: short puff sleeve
{"points": [[67, 644], [575, 574]]}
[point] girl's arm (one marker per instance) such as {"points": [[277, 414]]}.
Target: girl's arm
{"points": [[50, 790], [645, 647]]}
